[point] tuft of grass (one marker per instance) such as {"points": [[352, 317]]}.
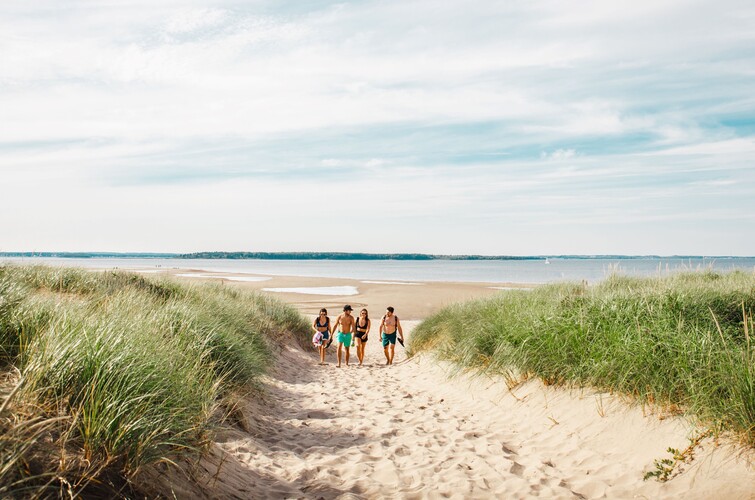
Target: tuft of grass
{"points": [[681, 341], [119, 372]]}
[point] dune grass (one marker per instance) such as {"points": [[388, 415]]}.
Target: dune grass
{"points": [[683, 341], [107, 372]]}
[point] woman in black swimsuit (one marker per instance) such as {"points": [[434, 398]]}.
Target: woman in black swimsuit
{"points": [[322, 325], [362, 329]]}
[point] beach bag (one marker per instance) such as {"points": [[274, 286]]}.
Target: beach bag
{"points": [[317, 339]]}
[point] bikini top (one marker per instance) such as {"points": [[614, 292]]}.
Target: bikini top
{"points": [[327, 322], [362, 328]]}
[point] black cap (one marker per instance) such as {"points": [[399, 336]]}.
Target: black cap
{"points": [[347, 307]]}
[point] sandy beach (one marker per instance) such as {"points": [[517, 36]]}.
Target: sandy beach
{"points": [[412, 430], [412, 300]]}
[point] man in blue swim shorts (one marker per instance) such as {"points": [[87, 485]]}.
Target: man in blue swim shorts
{"points": [[390, 328], [345, 327]]}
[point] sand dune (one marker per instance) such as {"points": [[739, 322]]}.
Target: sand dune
{"points": [[410, 431], [407, 431]]}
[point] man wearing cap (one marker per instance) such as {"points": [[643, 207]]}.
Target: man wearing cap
{"points": [[345, 327]]}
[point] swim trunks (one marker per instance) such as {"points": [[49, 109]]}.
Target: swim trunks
{"points": [[344, 338], [389, 338]]}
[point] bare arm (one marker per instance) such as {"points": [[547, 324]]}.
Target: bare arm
{"points": [[399, 329], [335, 325]]}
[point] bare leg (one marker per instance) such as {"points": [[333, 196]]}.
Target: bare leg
{"points": [[347, 355], [322, 354], [338, 354], [392, 348], [360, 351]]}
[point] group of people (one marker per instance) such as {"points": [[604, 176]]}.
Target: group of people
{"points": [[349, 331]]}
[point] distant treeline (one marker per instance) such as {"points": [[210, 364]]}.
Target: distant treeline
{"points": [[345, 256]]}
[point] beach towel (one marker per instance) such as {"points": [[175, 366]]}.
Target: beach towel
{"points": [[317, 339]]}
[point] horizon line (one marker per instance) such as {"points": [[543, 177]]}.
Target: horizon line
{"points": [[326, 255]]}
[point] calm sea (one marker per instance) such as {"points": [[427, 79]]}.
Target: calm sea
{"points": [[489, 271]]}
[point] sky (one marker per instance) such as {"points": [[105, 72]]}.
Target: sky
{"points": [[521, 127]]}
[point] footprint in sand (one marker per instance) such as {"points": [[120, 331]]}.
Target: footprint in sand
{"points": [[402, 451], [517, 469], [507, 450]]}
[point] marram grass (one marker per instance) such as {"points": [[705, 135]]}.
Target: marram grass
{"points": [[684, 340], [104, 373]]}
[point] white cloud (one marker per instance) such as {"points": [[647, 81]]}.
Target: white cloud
{"points": [[332, 162], [474, 118], [195, 19], [559, 154], [375, 162], [730, 146]]}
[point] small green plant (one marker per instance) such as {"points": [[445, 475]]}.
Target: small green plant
{"points": [[663, 468], [667, 468]]}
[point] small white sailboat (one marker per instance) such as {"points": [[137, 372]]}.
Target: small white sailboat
{"points": [[547, 261]]}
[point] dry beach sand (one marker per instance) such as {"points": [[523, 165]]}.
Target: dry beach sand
{"points": [[410, 431]]}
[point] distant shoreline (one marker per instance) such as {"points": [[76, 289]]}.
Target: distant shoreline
{"points": [[341, 256]]}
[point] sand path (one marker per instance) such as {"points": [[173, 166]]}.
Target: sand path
{"points": [[410, 431], [407, 431]]}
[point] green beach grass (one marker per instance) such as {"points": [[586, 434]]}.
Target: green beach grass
{"points": [[683, 342], [103, 373]]}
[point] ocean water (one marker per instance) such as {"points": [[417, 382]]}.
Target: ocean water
{"points": [[488, 271]]}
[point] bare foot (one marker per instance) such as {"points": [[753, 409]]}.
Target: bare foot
{"points": [[338, 366]]}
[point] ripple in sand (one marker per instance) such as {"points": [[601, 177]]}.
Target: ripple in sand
{"points": [[391, 283], [229, 278], [317, 290]]}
